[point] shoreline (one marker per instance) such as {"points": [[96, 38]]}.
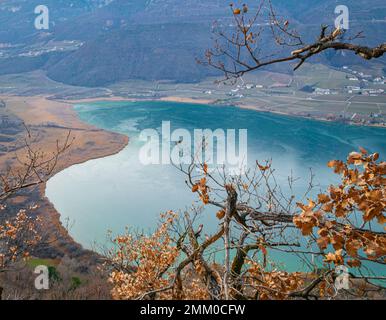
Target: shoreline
{"points": [[93, 143], [252, 107], [173, 99], [51, 121]]}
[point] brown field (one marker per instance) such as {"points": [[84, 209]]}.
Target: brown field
{"points": [[49, 123]]}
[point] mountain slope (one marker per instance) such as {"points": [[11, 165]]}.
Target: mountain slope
{"points": [[113, 40]]}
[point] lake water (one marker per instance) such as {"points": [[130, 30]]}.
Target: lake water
{"points": [[118, 191]]}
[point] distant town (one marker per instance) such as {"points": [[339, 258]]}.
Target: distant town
{"points": [[342, 93]]}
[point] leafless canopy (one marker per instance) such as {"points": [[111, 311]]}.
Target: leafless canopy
{"points": [[33, 167], [21, 233], [241, 49], [258, 214], [261, 227]]}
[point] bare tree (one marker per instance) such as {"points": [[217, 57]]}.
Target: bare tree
{"points": [[33, 167], [242, 49], [19, 235], [257, 218], [257, 215]]}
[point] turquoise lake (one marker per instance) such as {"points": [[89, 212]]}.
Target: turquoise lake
{"points": [[118, 191]]}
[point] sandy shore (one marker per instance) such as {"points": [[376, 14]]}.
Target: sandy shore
{"points": [[188, 100], [53, 121], [123, 99], [50, 122]]}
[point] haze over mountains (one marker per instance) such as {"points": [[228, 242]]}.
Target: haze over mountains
{"points": [[98, 42]]}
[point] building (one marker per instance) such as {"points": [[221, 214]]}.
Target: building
{"points": [[320, 91]]}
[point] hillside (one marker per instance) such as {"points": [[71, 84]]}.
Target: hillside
{"points": [[98, 42]]}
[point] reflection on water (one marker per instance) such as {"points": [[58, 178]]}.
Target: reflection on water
{"points": [[118, 191]]}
